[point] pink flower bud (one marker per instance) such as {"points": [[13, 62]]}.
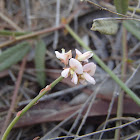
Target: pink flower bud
{"points": [[64, 57]]}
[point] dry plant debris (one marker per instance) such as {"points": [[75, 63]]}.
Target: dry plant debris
{"points": [[68, 109]]}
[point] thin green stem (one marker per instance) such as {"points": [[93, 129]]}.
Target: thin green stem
{"points": [[26, 108], [130, 8], [12, 33], [101, 63]]}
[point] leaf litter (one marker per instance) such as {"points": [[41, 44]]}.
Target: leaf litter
{"points": [[63, 112]]}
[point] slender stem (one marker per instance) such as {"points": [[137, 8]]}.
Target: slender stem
{"points": [[26, 108], [101, 63], [12, 33], [123, 73], [131, 8], [9, 21], [111, 11], [30, 35]]}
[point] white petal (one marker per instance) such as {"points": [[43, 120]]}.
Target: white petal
{"points": [[59, 55], [78, 52], [85, 56], [74, 79], [89, 78], [65, 73], [89, 68], [89, 54], [76, 66]]}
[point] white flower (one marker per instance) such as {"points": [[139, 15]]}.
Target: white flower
{"points": [[83, 57], [64, 57], [75, 68], [88, 72]]}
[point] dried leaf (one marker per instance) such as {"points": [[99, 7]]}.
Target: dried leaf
{"points": [[56, 110], [40, 62], [121, 6], [133, 27], [105, 26], [13, 55]]}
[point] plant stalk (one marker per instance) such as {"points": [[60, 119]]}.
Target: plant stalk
{"points": [[123, 73], [12, 33], [131, 8]]}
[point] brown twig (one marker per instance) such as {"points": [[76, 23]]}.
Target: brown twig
{"points": [[31, 35], [17, 86]]}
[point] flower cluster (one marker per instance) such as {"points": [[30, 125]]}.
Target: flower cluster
{"points": [[78, 68]]}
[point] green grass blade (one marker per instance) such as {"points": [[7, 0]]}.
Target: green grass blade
{"points": [[13, 55], [40, 50]]}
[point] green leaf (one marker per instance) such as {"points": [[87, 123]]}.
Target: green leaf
{"points": [[133, 27], [105, 26], [13, 55], [40, 50], [121, 6]]}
